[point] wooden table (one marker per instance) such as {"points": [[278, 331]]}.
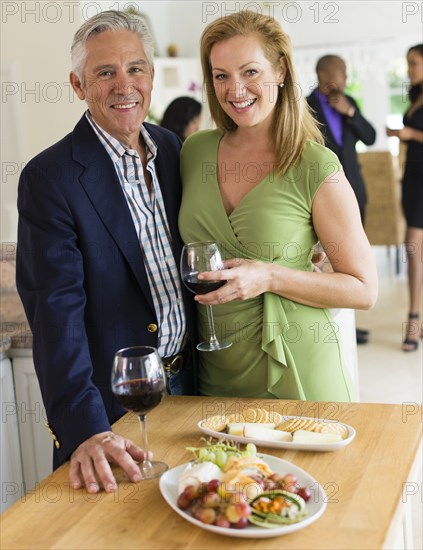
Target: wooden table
{"points": [[365, 483]]}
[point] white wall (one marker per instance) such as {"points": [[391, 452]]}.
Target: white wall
{"points": [[36, 38], [38, 106], [309, 23]]}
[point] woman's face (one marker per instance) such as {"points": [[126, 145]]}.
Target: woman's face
{"points": [[245, 82], [415, 67]]}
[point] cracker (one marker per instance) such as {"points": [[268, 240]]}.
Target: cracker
{"points": [[264, 416], [288, 425], [318, 427], [275, 418], [336, 428], [217, 423], [305, 424]]}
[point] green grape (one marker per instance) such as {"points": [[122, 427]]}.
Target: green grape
{"points": [[211, 457], [221, 458], [250, 450], [218, 453], [203, 453]]}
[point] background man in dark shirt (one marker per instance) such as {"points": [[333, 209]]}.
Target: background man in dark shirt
{"points": [[342, 126]]}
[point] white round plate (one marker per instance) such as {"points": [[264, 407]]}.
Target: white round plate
{"points": [[315, 506], [321, 447]]}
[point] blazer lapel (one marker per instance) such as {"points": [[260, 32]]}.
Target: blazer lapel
{"points": [[170, 185], [101, 183]]}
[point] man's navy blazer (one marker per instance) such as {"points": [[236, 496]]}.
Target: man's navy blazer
{"points": [[82, 280], [355, 128]]}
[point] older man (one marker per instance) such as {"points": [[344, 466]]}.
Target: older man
{"points": [[98, 249]]}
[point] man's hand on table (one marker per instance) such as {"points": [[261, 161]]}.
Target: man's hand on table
{"points": [[89, 463]]}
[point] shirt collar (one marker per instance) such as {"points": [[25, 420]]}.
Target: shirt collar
{"points": [[117, 147]]}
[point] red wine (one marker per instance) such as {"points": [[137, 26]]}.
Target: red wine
{"points": [[140, 395], [201, 287]]}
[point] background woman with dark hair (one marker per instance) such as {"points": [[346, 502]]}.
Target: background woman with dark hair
{"points": [[182, 116], [412, 192]]}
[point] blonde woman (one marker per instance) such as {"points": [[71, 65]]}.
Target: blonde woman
{"points": [[264, 186]]}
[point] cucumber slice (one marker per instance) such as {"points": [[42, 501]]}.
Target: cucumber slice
{"points": [[270, 517], [260, 522]]}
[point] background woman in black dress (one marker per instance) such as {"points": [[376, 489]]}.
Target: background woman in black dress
{"points": [[412, 193]]}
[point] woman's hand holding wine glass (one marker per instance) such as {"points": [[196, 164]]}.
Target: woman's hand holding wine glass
{"points": [[197, 258], [244, 279]]}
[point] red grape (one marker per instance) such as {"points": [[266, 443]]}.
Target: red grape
{"points": [[182, 502], [243, 509], [206, 515], [211, 500], [213, 485], [304, 493], [270, 485], [221, 521], [290, 479], [240, 524], [277, 478], [191, 492], [232, 514]]}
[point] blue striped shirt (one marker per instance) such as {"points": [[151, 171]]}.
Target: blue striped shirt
{"points": [[149, 217]]}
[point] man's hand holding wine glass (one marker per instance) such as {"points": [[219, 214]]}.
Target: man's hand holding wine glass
{"points": [[90, 462]]}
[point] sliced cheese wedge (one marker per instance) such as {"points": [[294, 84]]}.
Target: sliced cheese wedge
{"points": [[303, 436], [237, 428], [266, 434]]}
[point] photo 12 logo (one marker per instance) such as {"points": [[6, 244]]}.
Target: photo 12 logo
{"points": [[411, 10], [35, 12], [289, 12]]}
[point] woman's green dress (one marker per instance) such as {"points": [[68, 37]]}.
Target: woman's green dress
{"points": [[280, 348]]}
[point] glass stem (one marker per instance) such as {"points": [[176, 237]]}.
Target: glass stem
{"points": [[146, 464], [213, 339]]}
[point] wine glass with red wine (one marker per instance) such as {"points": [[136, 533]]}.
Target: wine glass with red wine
{"points": [[196, 258], [139, 385]]}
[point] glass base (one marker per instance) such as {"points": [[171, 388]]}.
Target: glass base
{"points": [[215, 346], [153, 469]]}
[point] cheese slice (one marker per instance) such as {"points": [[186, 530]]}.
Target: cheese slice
{"points": [[303, 436], [265, 434], [237, 428]]}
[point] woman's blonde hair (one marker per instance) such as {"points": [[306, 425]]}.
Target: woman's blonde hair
{"points": [[293, 123]]}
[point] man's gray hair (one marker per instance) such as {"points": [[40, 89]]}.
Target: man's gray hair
{"points": [[110, 20]]}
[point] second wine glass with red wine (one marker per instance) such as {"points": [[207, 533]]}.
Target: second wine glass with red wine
{"points": [[139, 384], [196, 258]]}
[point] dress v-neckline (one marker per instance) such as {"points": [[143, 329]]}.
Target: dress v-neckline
{"points": [[259, 184]]}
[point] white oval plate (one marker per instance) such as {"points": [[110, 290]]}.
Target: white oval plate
{"points": [[315, 506], [321, 447]]}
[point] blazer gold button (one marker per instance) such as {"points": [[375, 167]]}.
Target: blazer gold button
{"points": [[152, 327], [57, 444]]}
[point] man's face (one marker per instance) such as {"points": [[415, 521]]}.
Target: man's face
{"points": [[117, 83], [333, 77]]}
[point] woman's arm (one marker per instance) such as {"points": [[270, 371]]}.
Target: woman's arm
{"points": [[406, 134], [353, 284]]}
